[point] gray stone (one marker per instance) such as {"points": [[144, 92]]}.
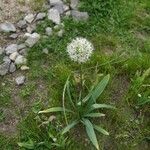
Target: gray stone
{"points": [[29, 18], [23, 68], [13, 56], [31, 28], [12, 68], [20, 60], [1, 50], [74, 4], [20, 80], [79, 16], [32, 39], [11, 49], [55, 2], [49, 31], [60, 8], [13, 36], [45, 51], [21, 46], [68, 13], [22, 24], [23, 52], [7, 27], [54, 16], [4, 68], [6, 59], [66, 7], [60, 33], [40, 16]]}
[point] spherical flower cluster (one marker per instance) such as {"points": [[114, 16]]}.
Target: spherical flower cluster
{"points": [[80, 50]]}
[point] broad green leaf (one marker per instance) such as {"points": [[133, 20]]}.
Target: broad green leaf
{"points": [[27, 145], [68, 127], [95, 115], [96, 92], [54, 109], [100, 129], [91, 133], [98, 106]]}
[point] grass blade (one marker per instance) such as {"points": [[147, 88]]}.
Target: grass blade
{"points": [[91, 133], [54, 109], [100, 129], [93, 115], [68, 127]]}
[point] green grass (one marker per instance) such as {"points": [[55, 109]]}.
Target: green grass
{"points": [[120, 32]]}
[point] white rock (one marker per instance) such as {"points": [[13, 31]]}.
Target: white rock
{"points": [[22, 24], [29, 18], [40, 16], [11, 49], [54, 16], [32, 39], [20, 80], [55, 2], [23, 68], [7, 27], [49, 31], [13, 56], [13, 36], [20, 60], [12, 68]]}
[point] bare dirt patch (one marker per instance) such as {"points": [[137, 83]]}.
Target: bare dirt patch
{"points": [[11, 10]]}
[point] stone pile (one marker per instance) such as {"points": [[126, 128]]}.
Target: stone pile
{"points": [[15, 54]]}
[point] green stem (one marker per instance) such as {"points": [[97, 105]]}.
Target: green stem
{"points": [[81, 83]]}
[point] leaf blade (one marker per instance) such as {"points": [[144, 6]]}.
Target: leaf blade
{"points": [[91, 133], [54, 109], [98, 106], [100, 129], [68, 127], [92, 115], [96, 92]]}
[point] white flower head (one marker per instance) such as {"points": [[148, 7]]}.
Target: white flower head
{"points": [[80, 50]]}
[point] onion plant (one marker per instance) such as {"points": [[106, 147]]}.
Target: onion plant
{"points": [[84, 110]]}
